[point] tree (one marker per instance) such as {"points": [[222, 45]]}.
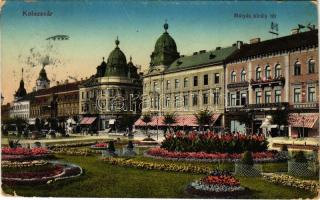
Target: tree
{"points": [[280, 117], [203, 117], [169, 119], [147, 119], [127, 121], [38, 124]]}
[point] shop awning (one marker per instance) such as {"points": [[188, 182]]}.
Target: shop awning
{"points": [[181, 120], [306, 120], [87, 120]]}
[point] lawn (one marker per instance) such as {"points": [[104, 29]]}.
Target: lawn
{"points": [[104, 180]]}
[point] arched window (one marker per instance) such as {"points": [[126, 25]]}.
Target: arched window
{"points": [[277, 72], [258, 73], [311, 66], [243, 75], [268, 72], [233, 76], [297, 68]]}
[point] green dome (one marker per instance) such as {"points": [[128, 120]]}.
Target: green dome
{"points": [[117, 63], [165, 50]]}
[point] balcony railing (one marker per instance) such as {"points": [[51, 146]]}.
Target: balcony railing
{"points": [[265, 82], [238, 84], [267, 105], [308, 105]]}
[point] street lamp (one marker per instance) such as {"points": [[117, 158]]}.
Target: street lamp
{"points": [[302, 126]]}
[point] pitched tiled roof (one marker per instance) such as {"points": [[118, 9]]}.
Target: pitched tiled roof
{"points": [[201, 59], [303, 39], [59, 88]]}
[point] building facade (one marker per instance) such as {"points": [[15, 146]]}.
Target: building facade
{"points": [[59, 102], [265, 77], [111, 95], [184, 84]]}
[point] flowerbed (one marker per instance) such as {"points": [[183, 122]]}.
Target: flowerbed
{"points": [[15, 164], [73, 151], [78, 144], [188, 168], [216, 184], [268, 156], [99, 146], [21, 153], [210, 142], [57, 171], [24, 151], [50, 172], [287, 180]]}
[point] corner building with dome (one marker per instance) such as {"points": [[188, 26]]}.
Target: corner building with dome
{"points": [[184, 85], [109, 99]]}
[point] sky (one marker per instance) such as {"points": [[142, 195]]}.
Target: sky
{"points": [[94, 25]]}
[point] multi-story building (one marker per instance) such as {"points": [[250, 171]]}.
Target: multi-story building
{"points": [[270, 75], [60, 102], [184, 84], [20, 107], [111, 94]]}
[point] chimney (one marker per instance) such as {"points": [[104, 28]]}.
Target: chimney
{"points": [[239, 44], [254, 40], [218, 48], [294, 31]]}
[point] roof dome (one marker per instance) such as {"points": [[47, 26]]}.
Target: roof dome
{"points": [[117, 62], [165, 50]]}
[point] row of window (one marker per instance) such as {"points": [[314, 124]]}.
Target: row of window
{"points": [[20, 107], [297, 95], [277, 71], [267, 97], [109, 92], [184, 101], [186, 82], [311, 67]]}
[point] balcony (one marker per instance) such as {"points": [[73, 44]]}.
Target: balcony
{"points": [[236, 108], [243, 84], [269, 82], [308, 105], [267, 106]]}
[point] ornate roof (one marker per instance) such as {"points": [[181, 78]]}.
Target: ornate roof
{"points": [[117, 62], [43, 75], [21, 92], [165, 50]]}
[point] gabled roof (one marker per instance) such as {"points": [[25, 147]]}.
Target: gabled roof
{"points": [[201, 59], [304, 39]]}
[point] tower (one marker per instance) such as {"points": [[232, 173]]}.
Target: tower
{"points": [[42, 82]]}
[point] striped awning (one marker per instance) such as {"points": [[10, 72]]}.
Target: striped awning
{"points": [[87, 120], [306, 120], [181, 120]]}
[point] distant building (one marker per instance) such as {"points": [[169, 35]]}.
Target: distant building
{"points": [[184, 85], [112, 94], [59, 102], [42, 82], [20, 107], [276, 74]]}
